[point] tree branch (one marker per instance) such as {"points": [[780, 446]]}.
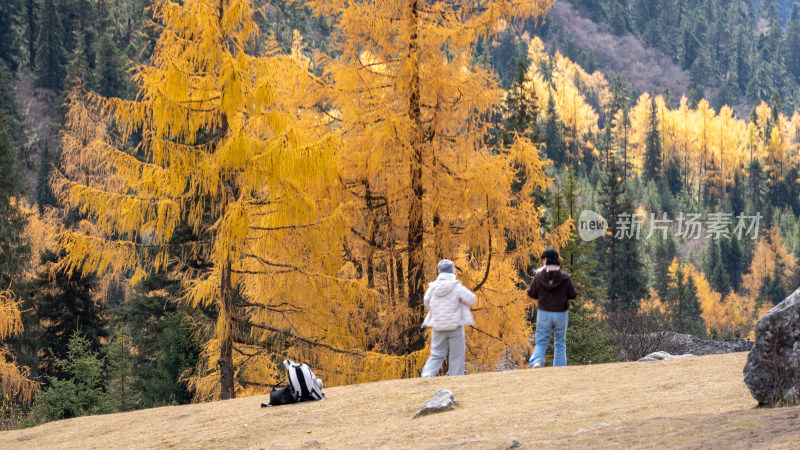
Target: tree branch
{"points": [[488, 264], [291, 336]]}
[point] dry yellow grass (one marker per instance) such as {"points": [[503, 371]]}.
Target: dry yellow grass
{"points": [[694, 402]]}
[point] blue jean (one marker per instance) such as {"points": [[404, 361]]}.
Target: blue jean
{"points": [[548, 323]]}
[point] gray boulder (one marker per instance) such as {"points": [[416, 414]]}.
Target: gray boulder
{"points": [[662, 356], [442, 400], [772, 372]]}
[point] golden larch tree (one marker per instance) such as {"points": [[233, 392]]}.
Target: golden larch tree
{"points": [[571, 87], [770, 258], [214, 173], [411, 108]]}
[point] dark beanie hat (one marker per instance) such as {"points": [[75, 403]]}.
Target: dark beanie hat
{"points": [[446, 266], [551, 255]]}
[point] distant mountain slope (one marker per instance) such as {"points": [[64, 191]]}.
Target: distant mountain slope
{"points": [[699, 401], [646, 69]]}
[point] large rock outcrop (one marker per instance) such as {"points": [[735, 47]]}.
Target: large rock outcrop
{"points": [[677, 343], [772, 372], [633, 347]]}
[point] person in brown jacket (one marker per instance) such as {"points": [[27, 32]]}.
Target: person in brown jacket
{"points": [[553, 288]]}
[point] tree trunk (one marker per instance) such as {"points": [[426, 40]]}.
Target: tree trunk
{"points": [[416, 290], [401, 291], [226, 338], [371, 234]]}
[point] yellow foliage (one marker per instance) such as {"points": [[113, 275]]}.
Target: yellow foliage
{"points": [[741, 315], [10, 318], [769, 257], [14, 381], [733, 316], [653, 304], [708, 146], [230, 151], [570, 86], [713, 312], [40, 231], [409, 108]]}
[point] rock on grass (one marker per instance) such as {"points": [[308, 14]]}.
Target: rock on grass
{"points": [[442, 400]]}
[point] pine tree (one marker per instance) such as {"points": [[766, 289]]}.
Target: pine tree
{"points": [[79, 20], [715, 268], [15, 382], [732, 258], [160, 328], [31, 13], [685, 312], [119, 372], [665, 252], [62, 304], [653, 156], [44, 193], [622, 141], [788, 189], [14, 250], [757, 186], [50, 53], [79, 389], [10, 13], [78, 72], [742, 63], [691, 47], [554, 134], [626, 283], [773, 289], [521, 110], [760, 85], [110, 69], [736, 194], [793, 43], [618, 116], [620, 97], [577, 255], [672, 177], [177, 354], [618, 16], [8, 106], [769, 11], [587, 336]]}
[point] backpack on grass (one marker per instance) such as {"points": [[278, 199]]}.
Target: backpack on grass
{"points": [[303, 386]]}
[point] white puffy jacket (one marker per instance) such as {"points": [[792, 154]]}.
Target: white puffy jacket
{"points": [[449, 302]]}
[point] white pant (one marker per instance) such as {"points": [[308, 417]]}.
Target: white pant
{"points": [[442, 343]]}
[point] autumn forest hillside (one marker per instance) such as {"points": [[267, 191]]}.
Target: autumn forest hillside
{"points": [[193, 191]]}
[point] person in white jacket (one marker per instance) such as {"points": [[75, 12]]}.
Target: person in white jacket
{"points": [[448, 301]]}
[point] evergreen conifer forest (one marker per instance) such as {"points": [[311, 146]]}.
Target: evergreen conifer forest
{"points": [[192, 191]]}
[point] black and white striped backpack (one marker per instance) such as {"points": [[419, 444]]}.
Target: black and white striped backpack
{"points": [[303, 386]]}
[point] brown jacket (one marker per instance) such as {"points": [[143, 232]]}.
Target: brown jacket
{"points": [[553, 289]]}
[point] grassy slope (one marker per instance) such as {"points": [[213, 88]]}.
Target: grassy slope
{"points": [[699, 401]]}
